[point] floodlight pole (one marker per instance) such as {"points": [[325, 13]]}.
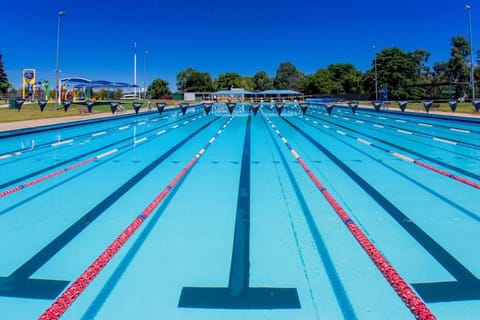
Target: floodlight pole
{"points": [[145, 73], [57, 66], [135, 69], [472, 66], [376, 80]]}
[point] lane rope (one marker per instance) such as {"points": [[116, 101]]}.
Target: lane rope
{"points": [[420, 134], [78, 164], [406, 158], [78, 137], [436, 125], [415, 304]]}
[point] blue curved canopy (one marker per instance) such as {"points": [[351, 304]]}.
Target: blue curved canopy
{"points": [[83, 82]]}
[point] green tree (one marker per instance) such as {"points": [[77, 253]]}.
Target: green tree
{"points": [[423, 78], [199, 82], [182, 78], [317, 83], [246, 83], [226, 81], [261, 81], [159, 88], [398, 71], [191, 80], [3, 77], [456, 69], [345, 78], [477, 69], [287, 77]]}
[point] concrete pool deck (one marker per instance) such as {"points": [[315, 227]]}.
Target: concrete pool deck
{"points": [[24, 124]]}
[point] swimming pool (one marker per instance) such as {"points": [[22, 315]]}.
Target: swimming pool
{"points": [[242, 232]]}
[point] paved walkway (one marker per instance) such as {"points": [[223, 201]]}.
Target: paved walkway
{"points": [[7, 126], [15, 125]]}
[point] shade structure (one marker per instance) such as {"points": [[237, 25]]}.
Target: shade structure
{"points": [[279, 92], [233, 92]]}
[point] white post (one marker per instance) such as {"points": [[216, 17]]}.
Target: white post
{"points": [[145, 74], [57, 66], [135, 69]]}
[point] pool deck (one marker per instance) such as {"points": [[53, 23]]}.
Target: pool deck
{"points": [[15, 125]]}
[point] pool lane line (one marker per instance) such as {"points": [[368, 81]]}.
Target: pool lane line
{"points": [[446, 199], [239, 294], [466, 285], [416, 133], [433, 160], [81, 163], [20, 284], [18, 152], [62, 142], [80, 156], [407, 158], [103, 295], [422, 124], [392, 117], [424, 135], [401, 287], [70, 140], [336, 283], [66, 299]]}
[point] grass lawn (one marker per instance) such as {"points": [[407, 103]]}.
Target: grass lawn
{"points": [[462, 107], [30, 111]]}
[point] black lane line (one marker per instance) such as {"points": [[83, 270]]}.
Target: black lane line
{"points": [[121, 150], [9, 183], [336, 283], [419, 155], [466, 286], [238, 294], [18, 284], [113, 280]]}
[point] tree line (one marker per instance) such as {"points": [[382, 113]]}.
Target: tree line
{"points": [[4, 85], [404, 75]]}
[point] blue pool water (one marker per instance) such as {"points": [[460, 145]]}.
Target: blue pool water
{"points": [[246, 219]]}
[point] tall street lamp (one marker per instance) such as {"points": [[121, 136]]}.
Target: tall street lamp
{"points": [[57, 67], [472, 77], [376, 80], [145, 73]]}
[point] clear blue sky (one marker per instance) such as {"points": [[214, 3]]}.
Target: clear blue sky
{"points": [[97, 36]]}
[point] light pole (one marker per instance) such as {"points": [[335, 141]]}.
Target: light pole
{"points": [[472, 77], [135, 69], [145, 73], [57, 67], [376, 80]]}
